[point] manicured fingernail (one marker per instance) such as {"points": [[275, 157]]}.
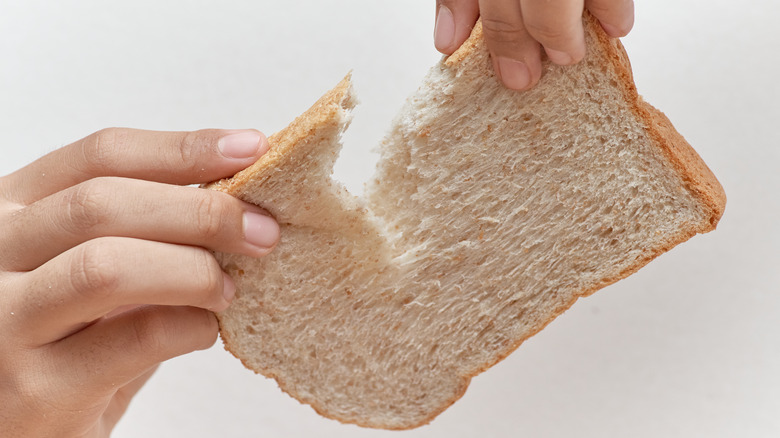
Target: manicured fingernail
{"points": [[228, 288], [260, 230], [513, 73], [444, 30], [244, 144], [560, 58]]}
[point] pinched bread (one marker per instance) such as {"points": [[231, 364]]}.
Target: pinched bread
{"points": [[490, 213]]}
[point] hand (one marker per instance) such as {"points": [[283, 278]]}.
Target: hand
{"points": [[105, 270], [516, 31]]}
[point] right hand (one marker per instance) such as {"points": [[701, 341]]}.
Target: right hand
{"points": [[517, 32], [106, 269]]}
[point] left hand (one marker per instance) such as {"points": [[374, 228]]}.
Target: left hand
{"points": [[107, 269]]}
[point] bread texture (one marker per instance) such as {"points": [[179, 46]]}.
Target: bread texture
{"points": [[490, 213]]}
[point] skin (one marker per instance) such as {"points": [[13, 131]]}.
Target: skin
{"points": [[106, 267], [106, 270], [519, 33]]}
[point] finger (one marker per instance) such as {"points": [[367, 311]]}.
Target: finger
{"points": [[454, 21], [557, 25], [170, 157], [121, 400], [114, 352], [89, 281], [111, 206], [516, 55], [615, 16]]}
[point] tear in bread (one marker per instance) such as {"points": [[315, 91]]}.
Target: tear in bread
{"points": [[490, 213]]}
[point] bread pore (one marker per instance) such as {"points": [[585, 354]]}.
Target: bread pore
{"points": [[490, 213]]}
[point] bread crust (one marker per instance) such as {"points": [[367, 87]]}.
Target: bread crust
{"points": [[699, 180], [325, 112], [681, 155]]}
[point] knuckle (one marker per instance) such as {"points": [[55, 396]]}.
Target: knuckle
{"points": [[207, 329], [208, 277], [39, 392], [186, 148], [95, 272], [547, 33], [86, 207], [30, 390], [100, 149], [503, 31], [210, 215], [193, 145], [160, 334], [151, 332]]}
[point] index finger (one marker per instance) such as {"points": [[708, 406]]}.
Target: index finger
{"points": [[168, 157]]}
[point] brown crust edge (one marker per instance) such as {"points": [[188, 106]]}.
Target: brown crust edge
{"points": [[326, 111], [701, 181], [684, 159]]}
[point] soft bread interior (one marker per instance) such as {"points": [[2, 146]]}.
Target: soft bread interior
{"points": [[491, 212]]}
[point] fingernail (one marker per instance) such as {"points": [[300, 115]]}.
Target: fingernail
{"points": [[228, 288], [558, 57], [244, 144], [444, 30], [611, 30], [514, 74], [260, 230]]}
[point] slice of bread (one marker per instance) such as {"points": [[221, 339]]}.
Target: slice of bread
{"points": [[491, 212]]}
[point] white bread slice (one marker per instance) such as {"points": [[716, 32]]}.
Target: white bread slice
{"points": [[491, 212]]}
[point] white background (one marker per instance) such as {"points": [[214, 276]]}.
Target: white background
{"points": [[687, 347]]}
